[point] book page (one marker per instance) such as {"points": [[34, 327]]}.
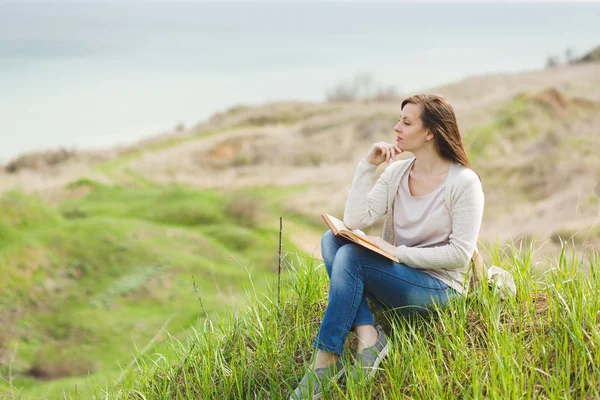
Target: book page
{"points": [[356, 235], [339, 225], [365, 243]]}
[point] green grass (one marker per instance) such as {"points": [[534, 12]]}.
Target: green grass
{"points": [[106, 284], [175, 205], [86, 282], [542, 344]]}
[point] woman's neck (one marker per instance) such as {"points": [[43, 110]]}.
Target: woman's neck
{"points": [[429, 163]]}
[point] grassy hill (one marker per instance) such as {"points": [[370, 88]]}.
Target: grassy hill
{"points": [[100, 249], [542, 344], [86, 282], [532, 138]]}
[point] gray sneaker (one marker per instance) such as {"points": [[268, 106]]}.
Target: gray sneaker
{"points": [[312, 383], [367, 363]]}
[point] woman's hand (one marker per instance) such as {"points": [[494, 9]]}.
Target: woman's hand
{"points": [[382, 151], [382, 244]]}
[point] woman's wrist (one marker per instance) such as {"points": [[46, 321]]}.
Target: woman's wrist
{"points": [[366, 161]]}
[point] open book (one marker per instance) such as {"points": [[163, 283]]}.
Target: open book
{"points": [[339, 229]]}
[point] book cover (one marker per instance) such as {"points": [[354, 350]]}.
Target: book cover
{"points": [[356, 236]]}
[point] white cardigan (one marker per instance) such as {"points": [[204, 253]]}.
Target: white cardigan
{"points": [[464, 198]]}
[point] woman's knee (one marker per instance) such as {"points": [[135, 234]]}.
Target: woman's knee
{"points": [[327, 240], [347, 258], [349, 252], [328, 250]]}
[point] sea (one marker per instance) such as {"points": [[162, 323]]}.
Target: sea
{"points": [[92, 74]]}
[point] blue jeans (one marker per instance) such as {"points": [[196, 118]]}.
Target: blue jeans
{"points": [[356, 273]]}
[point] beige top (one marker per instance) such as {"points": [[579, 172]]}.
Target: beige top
{"points": [[464, 199], [421, 221]]}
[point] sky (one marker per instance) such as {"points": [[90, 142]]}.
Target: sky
{"points": [[303, 1], [96, 73]]}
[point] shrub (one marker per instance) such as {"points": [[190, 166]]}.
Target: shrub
{"points": [[362, 87]]}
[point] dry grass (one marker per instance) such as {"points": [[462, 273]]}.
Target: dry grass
{"points": [[539, 168]]}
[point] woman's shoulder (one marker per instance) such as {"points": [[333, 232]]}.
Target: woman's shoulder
{"points": [[464, 173], [464, 176]]}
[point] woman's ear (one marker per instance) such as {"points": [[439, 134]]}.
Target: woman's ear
{"points": [[429, 135]]}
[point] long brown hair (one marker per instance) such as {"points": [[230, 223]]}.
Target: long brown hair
{"points": [[438, 116]]}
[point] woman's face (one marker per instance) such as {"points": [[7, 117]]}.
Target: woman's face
{"points": [[410, 133]]}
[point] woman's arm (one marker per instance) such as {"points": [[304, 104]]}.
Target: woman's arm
{"points": [[467, 213], [364, 207]]}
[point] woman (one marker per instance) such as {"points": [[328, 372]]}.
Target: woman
{"points": [[433, 206]]}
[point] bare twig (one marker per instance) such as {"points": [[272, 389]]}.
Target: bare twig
{"points": [[199, 298], [279, 268]]}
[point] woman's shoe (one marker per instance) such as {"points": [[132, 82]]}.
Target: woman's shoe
{"points": [[314, 381], [367, 363]]}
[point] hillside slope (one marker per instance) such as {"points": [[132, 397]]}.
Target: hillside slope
{"points": [[536, 151], [532, 136], [97, 243], [87, 283], [543, 344]]}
